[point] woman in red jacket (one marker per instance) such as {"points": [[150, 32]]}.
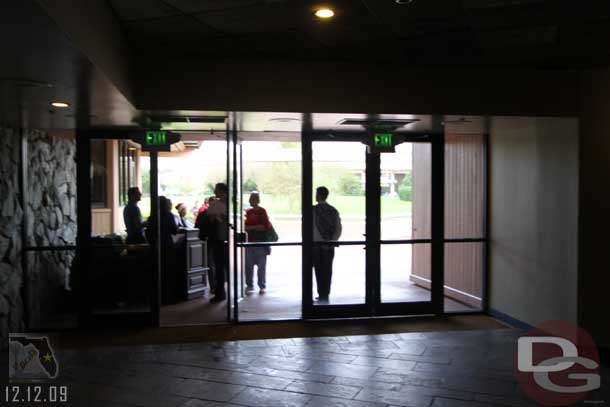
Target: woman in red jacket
{"points": [[257, 224]]}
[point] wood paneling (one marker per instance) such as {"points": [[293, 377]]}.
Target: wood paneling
{"points": [[464, 210], [101, 221], [464, 185], [422, 204]]}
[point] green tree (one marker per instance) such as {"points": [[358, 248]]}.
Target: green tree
{"points": [[282, 179], [350, 185], [145, 181], [405, 190], [250, 185]]}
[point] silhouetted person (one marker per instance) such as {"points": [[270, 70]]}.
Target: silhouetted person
{"points": [[217, 215], [168, 230], [257, 223], [133, 217], [326, 228]]}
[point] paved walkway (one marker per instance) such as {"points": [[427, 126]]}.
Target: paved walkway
{"points": [[438, 369]]}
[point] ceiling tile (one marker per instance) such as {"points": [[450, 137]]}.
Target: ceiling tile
{"points": [[142, 9], [196, 6], [271, 17], [525, 36], [180, 31], [419, 17]]}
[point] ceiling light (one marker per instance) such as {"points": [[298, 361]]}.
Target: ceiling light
{"points": [[324, 13], [403, 1], [60, 104]]}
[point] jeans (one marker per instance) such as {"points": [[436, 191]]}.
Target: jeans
{"points": [[256, 256]]}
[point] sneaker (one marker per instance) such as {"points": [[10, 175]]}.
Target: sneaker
{"points": [[262, 291], [249, 290], [322, 300]]}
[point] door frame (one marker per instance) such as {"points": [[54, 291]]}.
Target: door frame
{"points": [[373, 305]]}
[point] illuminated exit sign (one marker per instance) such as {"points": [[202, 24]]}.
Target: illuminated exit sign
{"points": [[156, 138], [382, 143], [384, 140]]}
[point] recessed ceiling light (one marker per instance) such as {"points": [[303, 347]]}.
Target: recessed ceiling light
{"points": [[403, 1], [60, 104], [324, 13]]}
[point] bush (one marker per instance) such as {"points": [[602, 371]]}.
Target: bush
{"points": [[405, 190], [250, 185], [350, 185]]}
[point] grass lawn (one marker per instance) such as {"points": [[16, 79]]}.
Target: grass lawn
{"points": [[346, 205]]}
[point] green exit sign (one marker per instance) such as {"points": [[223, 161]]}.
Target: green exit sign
{"points": [[156, 138], [384, 140]]}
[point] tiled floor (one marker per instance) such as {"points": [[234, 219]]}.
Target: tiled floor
{"points": [[434, 369]]}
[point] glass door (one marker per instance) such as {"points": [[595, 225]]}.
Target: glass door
{"points": [[381, 260], [117, 277]]}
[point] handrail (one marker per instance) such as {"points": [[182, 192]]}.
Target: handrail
{"points": [[48, 248]]}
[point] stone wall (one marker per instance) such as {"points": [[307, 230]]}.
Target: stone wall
{"points": [[51, 221], [11, 305]]}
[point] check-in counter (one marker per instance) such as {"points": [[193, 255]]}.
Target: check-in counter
{"points": [[196, 265]]}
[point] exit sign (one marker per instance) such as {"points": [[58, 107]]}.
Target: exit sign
{"points": [[383, 140], [382, 143], [156, 138]]}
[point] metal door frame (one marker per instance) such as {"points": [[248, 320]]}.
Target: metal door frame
{"points": [[373, 305]]}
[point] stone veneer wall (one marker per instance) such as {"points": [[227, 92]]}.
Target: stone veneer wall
{"points": [[51, 210], [51, 221], [11, 305]]}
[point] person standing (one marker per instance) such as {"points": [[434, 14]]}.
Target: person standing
{"points": [[133, 217], [257, 223], [217, 215], [326, 228]]}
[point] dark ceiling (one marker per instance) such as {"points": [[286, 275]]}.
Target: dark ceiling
{"points": [[423, 32]]}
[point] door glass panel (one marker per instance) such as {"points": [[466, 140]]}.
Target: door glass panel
{"points": [[282, 298], [121, 263], [188, 178], [405, 272], [406, 192], [341, 168], [340, 271], [271, 178], [348, 273]]}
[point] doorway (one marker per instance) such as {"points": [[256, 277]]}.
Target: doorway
{"points": [[392, 223]]}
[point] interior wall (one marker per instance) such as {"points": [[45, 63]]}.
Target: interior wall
{"points": [[11, 213], [534, 218], [284, 86], [594, 250]]}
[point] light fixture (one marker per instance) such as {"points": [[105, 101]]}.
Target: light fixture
{"points": [[403, 1], [324, 13], [60, 104]]}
